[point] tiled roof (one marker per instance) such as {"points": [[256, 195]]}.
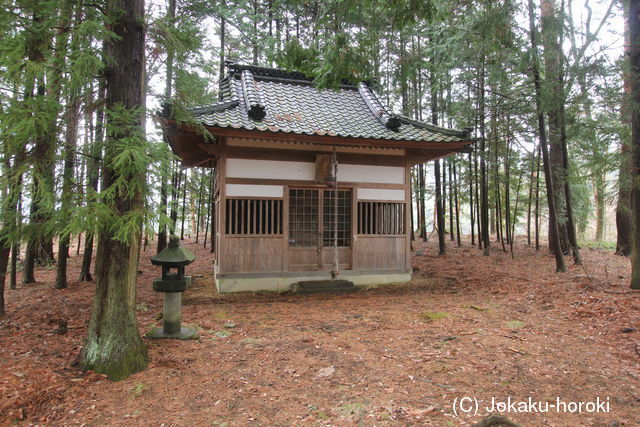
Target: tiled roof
{"points": [[271, 100]]}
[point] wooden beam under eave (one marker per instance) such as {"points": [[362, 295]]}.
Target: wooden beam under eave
{"points": [[213, 149], [212, 161], [415, 157]]}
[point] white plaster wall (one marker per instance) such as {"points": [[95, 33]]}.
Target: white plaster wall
{"points": [[270, 169], [372, 174], [244, 190], [306, 171], [380, 194]]}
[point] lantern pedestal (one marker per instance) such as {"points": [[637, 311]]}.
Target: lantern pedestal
{"points": [[172, 286], [185, 333], [172, 320]]}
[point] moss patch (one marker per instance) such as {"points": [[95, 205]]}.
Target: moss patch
{"points": [[430, 316], [515, 324]]}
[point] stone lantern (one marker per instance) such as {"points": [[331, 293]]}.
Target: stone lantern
{"points": [[173, 257]]}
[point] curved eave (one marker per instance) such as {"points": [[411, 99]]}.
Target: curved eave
{"points": [[190, 146]]}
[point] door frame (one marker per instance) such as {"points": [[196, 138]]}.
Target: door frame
{"points": [[318, 249]]}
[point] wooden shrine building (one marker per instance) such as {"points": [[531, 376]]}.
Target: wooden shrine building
{"points": [[277, 143]]}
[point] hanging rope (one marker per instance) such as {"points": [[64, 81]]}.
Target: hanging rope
{"points": [[334, 164]]}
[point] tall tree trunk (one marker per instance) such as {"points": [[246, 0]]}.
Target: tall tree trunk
{"points": [[162, 232], [471, 206], [39, 245], [451, 228], [439, 207], [223, 33], [254, 35], [479, 222], [623, 208], [455, 189], [73, 112], [484, 193], [515, 213], [444, 194], [553, 104], [422, 203], [72, 119], [634, 74], [9, 217], [199, 211], [570, 221], [530, 199], [599, 199], [15, 248], [213, 211], [184, 204], [168, 92], [537, 208], [209, 209], [113, 345], [498, 197], [553, 224], [507, 185], [93, 175]]}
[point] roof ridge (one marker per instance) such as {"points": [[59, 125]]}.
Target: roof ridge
{"points": [[258, 71], [255, 106], [388, 119], [276, 74]]}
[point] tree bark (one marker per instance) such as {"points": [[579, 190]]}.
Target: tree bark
{"points": [[184, 205], [623, 208], [599, 199], [93, 174], [484, 193], [422, 214], [67, 186], [72, 117], [537, 207], [39, 245], [553, 224], [223, 31], [553, 104], [471, 210], [455, 189], [634, 74], [113, 345], [439, 207]]}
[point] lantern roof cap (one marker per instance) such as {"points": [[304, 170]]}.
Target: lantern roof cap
{"points": [[173, 255]]}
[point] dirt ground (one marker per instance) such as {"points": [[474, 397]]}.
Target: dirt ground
{"points": [[466, 328]]}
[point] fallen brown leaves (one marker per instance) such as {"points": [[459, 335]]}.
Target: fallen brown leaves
{"points": [[466, 325]]}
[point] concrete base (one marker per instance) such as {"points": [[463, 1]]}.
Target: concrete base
{"points": [[285, 282], [185, 333]]}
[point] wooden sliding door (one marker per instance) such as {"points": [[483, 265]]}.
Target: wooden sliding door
{"points": [[312, 226]]}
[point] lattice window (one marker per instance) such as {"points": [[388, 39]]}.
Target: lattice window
{"points": [[344, 218], [303, 217], [380, 218], [253, 216]]}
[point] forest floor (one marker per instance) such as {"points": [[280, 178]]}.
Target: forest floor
{"points": [[465, 326]]}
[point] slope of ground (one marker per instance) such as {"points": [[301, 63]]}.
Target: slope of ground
{"points": [[466, 326]]}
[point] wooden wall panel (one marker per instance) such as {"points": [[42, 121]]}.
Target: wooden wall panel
{"points": [[344, 258], [303, 259], [251, 254], [379, 253]]}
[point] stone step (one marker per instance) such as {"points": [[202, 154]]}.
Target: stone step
{"points": [[316, 286]]}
